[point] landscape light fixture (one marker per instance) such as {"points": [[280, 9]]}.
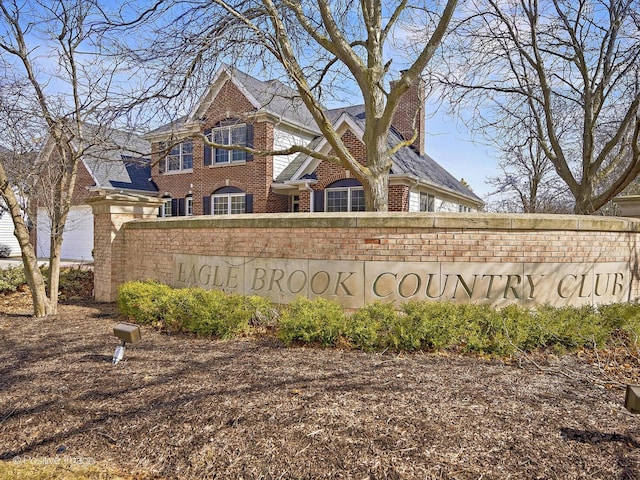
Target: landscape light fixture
{"points": [[632, 398], [128, 333]]}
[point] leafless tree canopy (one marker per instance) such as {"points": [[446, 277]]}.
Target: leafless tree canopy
{"points": [[55, 80], [319, 47], [570, 70]]}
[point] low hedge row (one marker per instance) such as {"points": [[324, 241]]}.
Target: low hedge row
{"points": [[416, 326]]}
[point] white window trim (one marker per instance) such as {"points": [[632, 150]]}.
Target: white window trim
{"points": [[429, 195], [180, 158], [188, 206], [228, 196], [228, 128], [166, 208], [340, 189]]}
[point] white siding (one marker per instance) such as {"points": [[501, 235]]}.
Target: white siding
{"points": [[77, 240], [444, 206], [282, 139], [440, 204], [414, 201], [6, 234]]}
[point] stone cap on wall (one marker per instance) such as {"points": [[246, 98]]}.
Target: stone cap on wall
{"points": [[124, 203], [629, 205], [474, 221]]}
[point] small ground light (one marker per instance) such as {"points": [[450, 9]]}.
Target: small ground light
{"points": [[632, 398], [128, 333]]}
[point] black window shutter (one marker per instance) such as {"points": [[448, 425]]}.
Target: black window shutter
{"points": [[174, 207], [206, 205], [208, 157], [181, 207], [248, 203], [161, 211], [318, 201], [249, 140]]}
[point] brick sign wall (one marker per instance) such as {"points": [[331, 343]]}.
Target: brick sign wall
{"points": [[356, 259]]}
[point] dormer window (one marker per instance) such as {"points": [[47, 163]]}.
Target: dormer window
{"points": [[179, 159], [232, 133]]}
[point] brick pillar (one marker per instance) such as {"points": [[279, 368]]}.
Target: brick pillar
{"points": [[110, 213], [305, 201]]}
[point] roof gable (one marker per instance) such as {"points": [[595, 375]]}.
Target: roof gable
{"points": [[271, 97], [406, 161]]}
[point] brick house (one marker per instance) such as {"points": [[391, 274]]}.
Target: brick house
{"points": [[238, 109]]}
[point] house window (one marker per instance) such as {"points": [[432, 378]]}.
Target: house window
{"points": [[165, 209], [223, 204], [188, 202], [346, 199], [427, 202], [295, 203], [229, 135], [463, 209], [179, 159]]}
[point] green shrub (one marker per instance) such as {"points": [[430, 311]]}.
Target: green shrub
{"points": [[312, 321], [144, 302], [418, 325], [75, 283], [521, 329], [221, 315], [11, 279], [572, 327], [368, 327], [624, 317], [426, 325], [204, 312]]}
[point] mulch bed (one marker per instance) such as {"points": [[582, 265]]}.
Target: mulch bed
{"points": [[186, 407]]}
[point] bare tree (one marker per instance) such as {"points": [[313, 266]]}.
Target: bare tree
{"points": [[55, 83], [318, 46], [573, 67], [528, 182]]}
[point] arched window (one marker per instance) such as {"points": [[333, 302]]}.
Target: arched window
{"points": [[345, 195], [228, 200], [230, 132]]}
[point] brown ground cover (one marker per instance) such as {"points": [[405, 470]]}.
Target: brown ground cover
{"points": [[186, 407]]}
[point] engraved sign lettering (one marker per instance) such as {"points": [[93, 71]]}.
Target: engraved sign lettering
{"points": [[355, 283]]}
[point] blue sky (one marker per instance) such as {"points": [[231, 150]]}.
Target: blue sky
{"points": [[451, 145]]}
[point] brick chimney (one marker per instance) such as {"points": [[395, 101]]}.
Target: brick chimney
{"points": [[410, 115]]}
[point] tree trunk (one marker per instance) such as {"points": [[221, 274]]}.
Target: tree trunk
{"points": [[376, 192], [35, 281], [53, 278]]}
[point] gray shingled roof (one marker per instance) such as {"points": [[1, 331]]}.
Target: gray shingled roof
{"points": [[277, 99], [118, 159], [274, 97]]}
